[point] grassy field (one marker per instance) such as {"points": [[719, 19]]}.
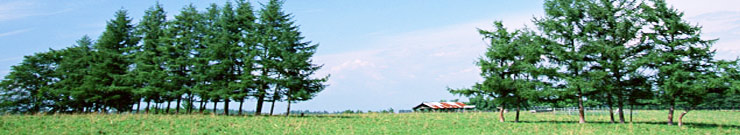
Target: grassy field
{"points": [[645, 122]]}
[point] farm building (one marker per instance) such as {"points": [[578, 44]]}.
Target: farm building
{"points": [[443, 107]]}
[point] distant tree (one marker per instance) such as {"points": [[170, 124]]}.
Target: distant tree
{"points": [[682, 59], [482, 103], [26, 87]]}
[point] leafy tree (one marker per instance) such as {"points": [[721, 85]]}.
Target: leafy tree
{"points": [[682, 59]]}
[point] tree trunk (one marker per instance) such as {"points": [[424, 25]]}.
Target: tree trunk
{"points": [[241, 103], [177, 106], [167, 111], [215, 103], [260, 101], [202, 106], [620, 106], [287, 112], [226, 107], [156, 108], [670, 114], [680, 118], [516, 119], [190, 103], [272, 107], [261, 93], [138, 107], [501, 113], [632, 107], [581, 117], [609, 104], [146, 110]]}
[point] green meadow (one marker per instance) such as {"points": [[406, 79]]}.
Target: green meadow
{"points": [[644, 122]]}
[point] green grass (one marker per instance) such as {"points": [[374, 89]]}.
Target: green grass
{"points": [[646, 122]]}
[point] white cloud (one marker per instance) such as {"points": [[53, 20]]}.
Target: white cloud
{"points": [[9, 33], [698, 7], [11, 59], [21, 9], [720, 19]]}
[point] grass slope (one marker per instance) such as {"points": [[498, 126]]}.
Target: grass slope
{"points": [[646, 122]]}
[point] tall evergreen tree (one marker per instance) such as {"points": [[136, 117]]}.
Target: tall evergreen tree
{"points": [[112, 61], [73, 70], [610, 25], [151, 78], [294, 64], [245, 83], [563, 25], [509, 67], [225, 53], [682, 59], [186, 53], [27, 86]]}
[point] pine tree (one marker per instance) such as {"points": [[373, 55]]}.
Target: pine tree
{"points": [[245, 85], [225, 55], [112, 60], [497, 68], [186, 49], [73, 69], [609, 27], [682, 59], [563, 26], [26, 88], [151, 78]]}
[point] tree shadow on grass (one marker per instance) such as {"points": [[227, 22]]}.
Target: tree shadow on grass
{"points": [[689, 124]]}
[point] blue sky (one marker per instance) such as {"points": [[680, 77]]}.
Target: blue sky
{"points": [[381, 54]]}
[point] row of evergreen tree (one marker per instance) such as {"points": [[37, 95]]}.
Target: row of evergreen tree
{"points": [[610, 52], [225, 54]]}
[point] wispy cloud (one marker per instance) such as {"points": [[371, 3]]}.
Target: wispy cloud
{"points": [[9, 33], [10, 59], [722, 25], [21, 9], [409, 67]]}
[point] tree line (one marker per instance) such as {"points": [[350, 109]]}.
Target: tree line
{"points": [[228, 53], [612, 53]]}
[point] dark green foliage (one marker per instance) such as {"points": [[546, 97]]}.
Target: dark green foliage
{"points": [[219, 55], [111, 64], [149, 73], [291, 56], [511, 68]]}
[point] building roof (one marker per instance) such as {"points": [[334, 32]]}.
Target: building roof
{"points": [[444, 105]]}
